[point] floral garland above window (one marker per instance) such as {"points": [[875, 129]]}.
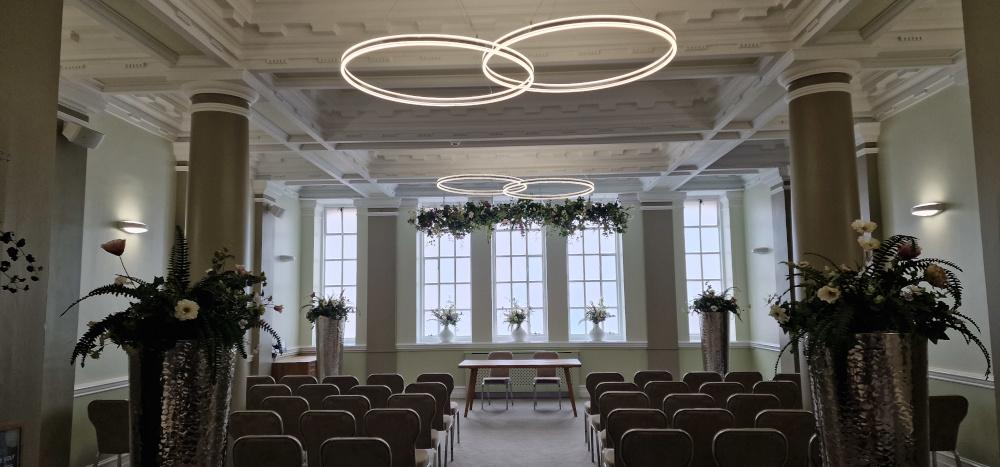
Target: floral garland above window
{"points": [[567, 218]]}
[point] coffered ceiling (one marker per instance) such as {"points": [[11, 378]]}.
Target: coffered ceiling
{"points": [[712, 118]]}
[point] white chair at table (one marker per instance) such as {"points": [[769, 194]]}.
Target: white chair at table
{"points": [[498, 376], [547, 376]]}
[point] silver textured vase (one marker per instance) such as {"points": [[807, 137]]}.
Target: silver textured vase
{"points": [[179, 405], [871, 402], [715, 341], [329, 346]]}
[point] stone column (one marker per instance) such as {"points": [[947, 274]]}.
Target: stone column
{"points": [[866, 147], [823, 169], [556, 285], [380, 281], [180, 195], [661, 283], [781, 227], [219, 199]]}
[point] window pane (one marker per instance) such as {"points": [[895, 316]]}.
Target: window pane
{"points": [[462, 246], [503, 296], [712, 264], [351, 294], [502, 242], [609, 243], [350, 272], [574, 244], [518, 268], [576, 323], [517, 243], [430, 246], [693, 289], [350, 246], [710, 212], [535, 270], [447, 294], [430, 270], [576, 298], [503, 269], [463, 297], [447, 245], [350, 221], [593, 292], [574, 268], [693, 266], [430, 297], [609, 292], [691, 216], [447, 270], [333, 224], [592, 267], [591, 242], [611, 325], [463, 270], [535, 242], [464, 328], [710, 239], [536, 324], [331, 274], [692, 240], [609, 268], [536, 295], [519, 291], [332, 248]]}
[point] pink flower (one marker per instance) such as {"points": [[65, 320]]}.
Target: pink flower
{"points": [[279, 308], [909, 250], [935, 275], [115, 247]]}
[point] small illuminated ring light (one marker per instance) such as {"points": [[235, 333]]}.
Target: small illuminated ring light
{"points": [[927, 209], [513, 88], [443, 184], [584, 22], [132, 227], [517, 189]]}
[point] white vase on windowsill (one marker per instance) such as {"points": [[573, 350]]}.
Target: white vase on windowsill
{"points": [[597, 332], [446, 335], [519, 334]]}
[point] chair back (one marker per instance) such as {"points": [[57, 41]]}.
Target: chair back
{"points": [[257, 394], [595, 403], [393, 381], [271, 450], [695, 379], [444, 378], [745, 407], [786, 391], [815, 452], [659, 390], [354, 452], [612, 400], [595, 378], [294, 381], [702, 425], [546, 372], [320, 425], [746, 378], [656, 448], [257, 379], [750, 447], [622, 420], [398, 427], [111, 422], [315, 393], [425, 407], [721, 391], [643, 377], [378, 396], [356, 404], [289, 408], [798, 426], [500, 355], [946, 415], [343, 382], [441, 400], [793, 377], [254, 423], [675, 402]]}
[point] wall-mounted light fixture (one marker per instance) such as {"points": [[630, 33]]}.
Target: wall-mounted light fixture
{"points": [[928, 209], [761, 250], [132, 227]]}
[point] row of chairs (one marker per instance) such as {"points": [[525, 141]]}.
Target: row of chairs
{"points": [[671, 447]]}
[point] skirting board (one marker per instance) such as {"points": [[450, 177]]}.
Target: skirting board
{"points": [[944, 459]]}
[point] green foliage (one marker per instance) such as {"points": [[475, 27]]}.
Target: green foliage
{"points": [[710, 301], [567, 218], [179, 270], [336, 308]]}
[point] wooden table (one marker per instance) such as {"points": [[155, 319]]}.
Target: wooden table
{"points": [[296, 365], [475, 365]]}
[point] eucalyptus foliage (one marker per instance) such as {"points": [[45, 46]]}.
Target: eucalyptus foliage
{"points": [[567, 218]]}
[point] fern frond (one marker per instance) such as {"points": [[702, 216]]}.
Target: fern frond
{"points": [[179, 271], [110, 289]]}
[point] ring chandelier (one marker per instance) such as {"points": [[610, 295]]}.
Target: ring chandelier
{"points": [[502, 48], [516, 187]]}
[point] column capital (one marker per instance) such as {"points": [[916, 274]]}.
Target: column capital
{"points": [[867, 133], [226, 88], [806, 69], [807, 78]]}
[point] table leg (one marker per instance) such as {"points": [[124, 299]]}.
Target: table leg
{"points": [[470, 390], [572, 390]]}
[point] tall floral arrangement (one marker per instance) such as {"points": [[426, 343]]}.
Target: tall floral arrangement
{"points": [[895, 290], [567, 218], [516, 314], [596, 313], [336, 308], [18, 268], [218, 308], [447, 315], [711, 301]]}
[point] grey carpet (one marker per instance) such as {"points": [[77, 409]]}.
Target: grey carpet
{"points": [[522, 437]]}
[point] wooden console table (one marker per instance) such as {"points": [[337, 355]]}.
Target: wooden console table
{"points": [[297, 365], [475, 365]]}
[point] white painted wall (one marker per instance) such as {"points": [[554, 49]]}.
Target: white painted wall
{"points": [[760, 267], [284, 281]]}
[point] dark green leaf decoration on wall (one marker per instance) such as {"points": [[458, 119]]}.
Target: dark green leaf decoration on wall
{"points": [[567, 218]]}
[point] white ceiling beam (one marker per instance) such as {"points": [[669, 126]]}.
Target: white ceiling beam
{"points": [[124, 27], [183, 18]]}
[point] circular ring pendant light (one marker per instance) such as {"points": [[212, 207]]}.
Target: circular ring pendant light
{"points": [[512, 87], [518, 189], [583, 22], [445, 184]]}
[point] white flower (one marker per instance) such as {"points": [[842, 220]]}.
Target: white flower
{"points": [[241, 269], [122, 280], [779, 314], [910, 291], [243, 323], [863, 227], [713, 308], [868, 243], [828, 294], [186, 310]]}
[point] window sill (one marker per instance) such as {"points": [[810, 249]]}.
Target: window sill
{"points": [[520, 345]]}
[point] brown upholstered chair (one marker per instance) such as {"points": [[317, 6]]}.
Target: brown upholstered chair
{"points": [[498, 376], [343, 382], [946, 415], [641, 377], [354, 452], [257, 379], [441, 422], [622, 420], [746, 378], [546, 376], [400, 428], [254, 423], [425, 407], [786, 391], [702, 425], [356, 404], [378, 395], [745, 407], [656, 448], [320, 425], [393, 381], [271, 450], [590, 407], [659, 390], [720, 391], [257, 394], [793, 377], [798, 426], [611, 400], [290, 408], [315, 393], [675, 402], [294, 381], [111, 424], [695, 379], [815, 452], [750, 447], [449, 381]]}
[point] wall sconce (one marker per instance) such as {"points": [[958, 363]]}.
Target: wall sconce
{"points": [[761, 250], [928, 209], [132, 227]]}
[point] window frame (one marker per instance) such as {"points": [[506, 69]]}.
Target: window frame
{"points": [[496, 305], [725, 247], [324, 233], [619, 309], [421, 285]]}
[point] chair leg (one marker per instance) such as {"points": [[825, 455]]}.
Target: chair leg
{"points": [[593, 446], [458, 427], [97, 461], [958, 460], [119, 460]]}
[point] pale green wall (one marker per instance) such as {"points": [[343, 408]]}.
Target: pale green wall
{"points": [[83, 451], [760, 267], [926, 154], [284, 281]]}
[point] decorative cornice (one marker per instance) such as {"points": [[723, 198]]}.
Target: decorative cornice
{"points": [[220, 87]]}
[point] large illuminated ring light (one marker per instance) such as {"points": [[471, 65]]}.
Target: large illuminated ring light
{"points": [[512, 87], [582, 22], [443, 184], [517, 189]]}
